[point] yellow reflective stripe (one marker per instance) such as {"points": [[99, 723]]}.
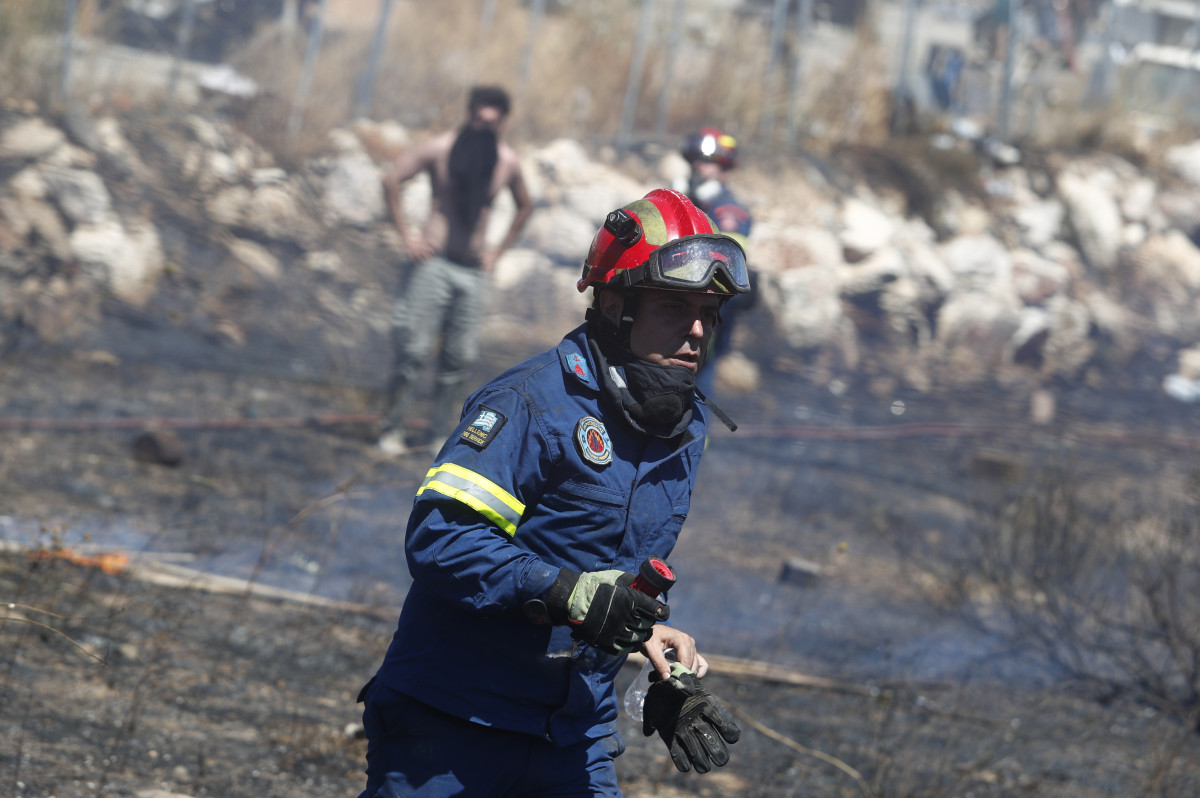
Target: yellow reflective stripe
{"points": [[477, 492]]}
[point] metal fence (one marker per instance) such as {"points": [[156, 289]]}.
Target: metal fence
{"points": [[999, 68]]}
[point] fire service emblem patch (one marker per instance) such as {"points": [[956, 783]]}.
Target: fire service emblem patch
{"points": [[592, 439]]}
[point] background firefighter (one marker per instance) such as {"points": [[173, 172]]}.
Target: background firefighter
{"points": [[712, 154]]}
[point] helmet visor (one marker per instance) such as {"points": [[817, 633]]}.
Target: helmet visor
{"points": [[696, 263]]}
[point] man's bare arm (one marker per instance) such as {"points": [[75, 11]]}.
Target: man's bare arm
{"points": [[408, 165]]}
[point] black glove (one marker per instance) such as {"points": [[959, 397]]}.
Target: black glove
{"points": [[602, 609], [693, 722]]}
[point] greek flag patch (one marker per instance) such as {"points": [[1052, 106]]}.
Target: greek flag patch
{"points": [[484, 428]]}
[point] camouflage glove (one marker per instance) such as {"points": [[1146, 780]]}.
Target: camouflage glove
{"points": [[602, 609], [693, 722]]}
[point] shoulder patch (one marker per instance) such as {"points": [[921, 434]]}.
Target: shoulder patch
{"points": [[484, 428], [578, 367], [592, 440]]}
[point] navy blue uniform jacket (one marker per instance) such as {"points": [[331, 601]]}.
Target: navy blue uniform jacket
{"points": [[538, 475]]}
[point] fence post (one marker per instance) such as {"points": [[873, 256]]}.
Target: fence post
{"points": [[537, 10], [68, 49], [183, 42], [902, 98], [799, 46], [300, 100], [486, 17], [770, 80], [664, 93], [1004, 114], [630, 100], [366, 84], [1100, 83]]}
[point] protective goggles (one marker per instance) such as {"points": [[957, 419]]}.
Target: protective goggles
{"points": [[696, 263]]}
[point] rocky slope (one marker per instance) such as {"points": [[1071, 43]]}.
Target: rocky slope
{"points": [[926, 267]]}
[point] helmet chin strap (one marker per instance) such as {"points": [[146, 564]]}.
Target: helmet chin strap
{"points": [[655, 399], [614, 338]]}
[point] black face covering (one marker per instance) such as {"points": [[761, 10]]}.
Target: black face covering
{"points": [[472, 161], [654, 399]]}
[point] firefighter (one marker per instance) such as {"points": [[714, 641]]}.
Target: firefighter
{"points": [[562, 476], [712, 154]]}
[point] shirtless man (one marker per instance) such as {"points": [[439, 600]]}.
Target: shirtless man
{"points": [[444, 297]]}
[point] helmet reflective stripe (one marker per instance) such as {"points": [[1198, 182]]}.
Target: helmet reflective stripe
{"points": [[477, 492], [662, 216], [654, 227]]}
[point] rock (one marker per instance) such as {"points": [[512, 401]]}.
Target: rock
{"points": [[353, 193], [1184, 384], [1094, 215], [1137, 200], [1036, 279], [1042, 407], [55, 310], [1184, 160], [29, 140], [980, 264], [561, 234], [865, 229], [805, 305], [519, 266], [127, 261], [228, 205], [224, 80], [975, 332], [799, 572], [1040, 222], [36, 224], [776, 247], [382, 141], [673, 169], [257, 258], [1169, 262], [595, 202], [737, 374], [1070, 344], [272, 211], [325, 262], [1181, 388], [80, 195], [158, 447], [1189, 363]]}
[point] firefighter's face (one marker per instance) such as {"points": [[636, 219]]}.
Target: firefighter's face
{"points": [[706, 170], [672, 328]]}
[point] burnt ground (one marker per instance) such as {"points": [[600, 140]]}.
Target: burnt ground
{"points": [[162, 679]]}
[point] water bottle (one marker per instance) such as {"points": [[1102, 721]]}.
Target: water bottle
{"points": [[635, 694]]}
